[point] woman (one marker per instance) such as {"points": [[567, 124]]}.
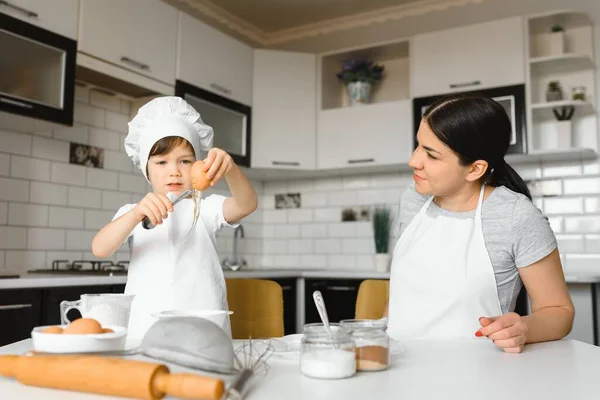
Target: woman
{"points": [[470, 237]]}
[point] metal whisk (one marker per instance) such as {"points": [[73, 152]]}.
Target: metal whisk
{"points": [[250, 361]]}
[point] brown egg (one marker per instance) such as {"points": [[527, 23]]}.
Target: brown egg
{"points": [[107, 330], [53, 329], [198, 176], [83, 326]]}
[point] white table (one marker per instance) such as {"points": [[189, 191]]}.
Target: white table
{"points": [[453, 369]]}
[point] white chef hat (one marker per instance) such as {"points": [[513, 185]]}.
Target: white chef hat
{"points": [[162, 117]]}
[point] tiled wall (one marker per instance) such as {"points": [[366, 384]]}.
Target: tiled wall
{"points": [[50, 209]]}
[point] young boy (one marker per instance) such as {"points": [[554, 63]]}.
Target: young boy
{"points": [[174, 265]]}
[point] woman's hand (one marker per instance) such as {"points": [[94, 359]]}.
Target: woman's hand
{"points": [[217, 164], [508, 331], [154, 206]]}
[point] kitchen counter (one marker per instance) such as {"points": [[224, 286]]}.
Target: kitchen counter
{"points": [[426, 369], [38, 280]]}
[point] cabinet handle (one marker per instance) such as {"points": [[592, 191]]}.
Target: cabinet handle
{"points": [[361, 160], [22, 10], [341, 288], [220, 88], [14, 102], [288, 287], [15, 306], [464, 84], [288, 163], [136, 64]]}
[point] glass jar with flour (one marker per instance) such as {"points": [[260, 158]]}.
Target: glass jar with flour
{"points": [[106, 308], [326, 356], [372, 343]]}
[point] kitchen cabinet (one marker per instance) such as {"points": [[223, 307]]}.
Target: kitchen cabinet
{"points": [[339, 296], [139, 35], [54, 296], [213, 60], [58, 16], [20, 312], [284, 110], [468, 58], [585, 325], [372, 135], [289, 288]]}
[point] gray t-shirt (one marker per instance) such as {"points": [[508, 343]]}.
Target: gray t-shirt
{"points": [[515, 232]]}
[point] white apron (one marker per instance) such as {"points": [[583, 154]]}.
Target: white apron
{"points": [[442, 280], [166, 272]]}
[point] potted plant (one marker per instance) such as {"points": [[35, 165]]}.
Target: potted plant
{"points": [[554, 91], [359, 76], [382, 222], [557, 40]]}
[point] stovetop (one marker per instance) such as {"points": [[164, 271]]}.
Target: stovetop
{"points": [[85, 267]]}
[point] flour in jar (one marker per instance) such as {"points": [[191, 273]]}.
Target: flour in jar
{"points": [[107, 314], [328, 364]]}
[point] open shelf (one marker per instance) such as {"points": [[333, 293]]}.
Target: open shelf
{"points": [[568, 19], [562, 63], [562, 103], [395, 84], [552, 156]]}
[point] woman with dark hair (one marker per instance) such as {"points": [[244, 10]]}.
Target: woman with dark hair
{"points": [[471, 237]]}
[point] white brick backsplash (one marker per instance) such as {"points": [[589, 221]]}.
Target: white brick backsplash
{"points": [[342, 230], [364, 263], [265, 261], [105, 139], [591, 167], [15, 143], [287, 231], [115, 200], [13, 237], [89, 115], [538, 202], [122, 143], [393, 180], [125, 107], [275, 187], [254, 230], [97, 178], [133, 183], [87, 198], [2, 258], [564, 205], [268, 231], [582, 224], [82, 94], [4, 164], [341, 262], [556, 223], [314, 231], [592, 243], [48, 193], [56, 150], [116, 122], [363, 228], [62, 255], [328, 214], [80, 240], [313, 261], [559, 170], [63, 217], [357, 246], [328, 246], [328, 184], [77, 133], [117, 161], [300, 215], [300, 246], [68, 174], [90, 256], [105, 101], [14, 190], [343, 198], [366, 197], [30, 168], [25, 260], [356, 182], [249, 246], [255, 217], [45, 239], [3, 213], [582, 186], [267, 202], [310, 200], [275, 246], [570, 243], [21, 214], [275, 216], [287, 261], [529, 172], [302, 185], [592, 204], [546, 188], [582, 263], [97, 219]]}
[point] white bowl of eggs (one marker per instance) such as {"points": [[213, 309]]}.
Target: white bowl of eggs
{"points": [[81, 335]]}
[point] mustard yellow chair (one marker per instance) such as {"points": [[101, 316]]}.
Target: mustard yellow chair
{"points": [[257, 306], [372, 298]]}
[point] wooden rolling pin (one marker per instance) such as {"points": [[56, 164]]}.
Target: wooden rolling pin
{"points": [[109, 376]]}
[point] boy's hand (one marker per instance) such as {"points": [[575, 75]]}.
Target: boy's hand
{"points": [[217, 164], [154, 206]]}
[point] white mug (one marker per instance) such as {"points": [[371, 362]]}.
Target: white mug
{"points": [[106, 308]]}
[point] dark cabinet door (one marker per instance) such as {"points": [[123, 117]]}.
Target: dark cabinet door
{"points": [[54, 296], [20, 312], [289, 288], [339, 296], [118, 289]]}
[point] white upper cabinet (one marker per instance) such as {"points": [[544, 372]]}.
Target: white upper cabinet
{"points": [[373, 135], [284, 110], [58, 16], [214, 61], [140, 35], [473, 57]]}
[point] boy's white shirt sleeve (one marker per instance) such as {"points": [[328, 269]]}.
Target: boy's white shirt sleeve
{"points": [[211, 212], [124, 210]]}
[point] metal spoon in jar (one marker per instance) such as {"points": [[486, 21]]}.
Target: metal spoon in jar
{"points": [[146, 221], [320, 303]]}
